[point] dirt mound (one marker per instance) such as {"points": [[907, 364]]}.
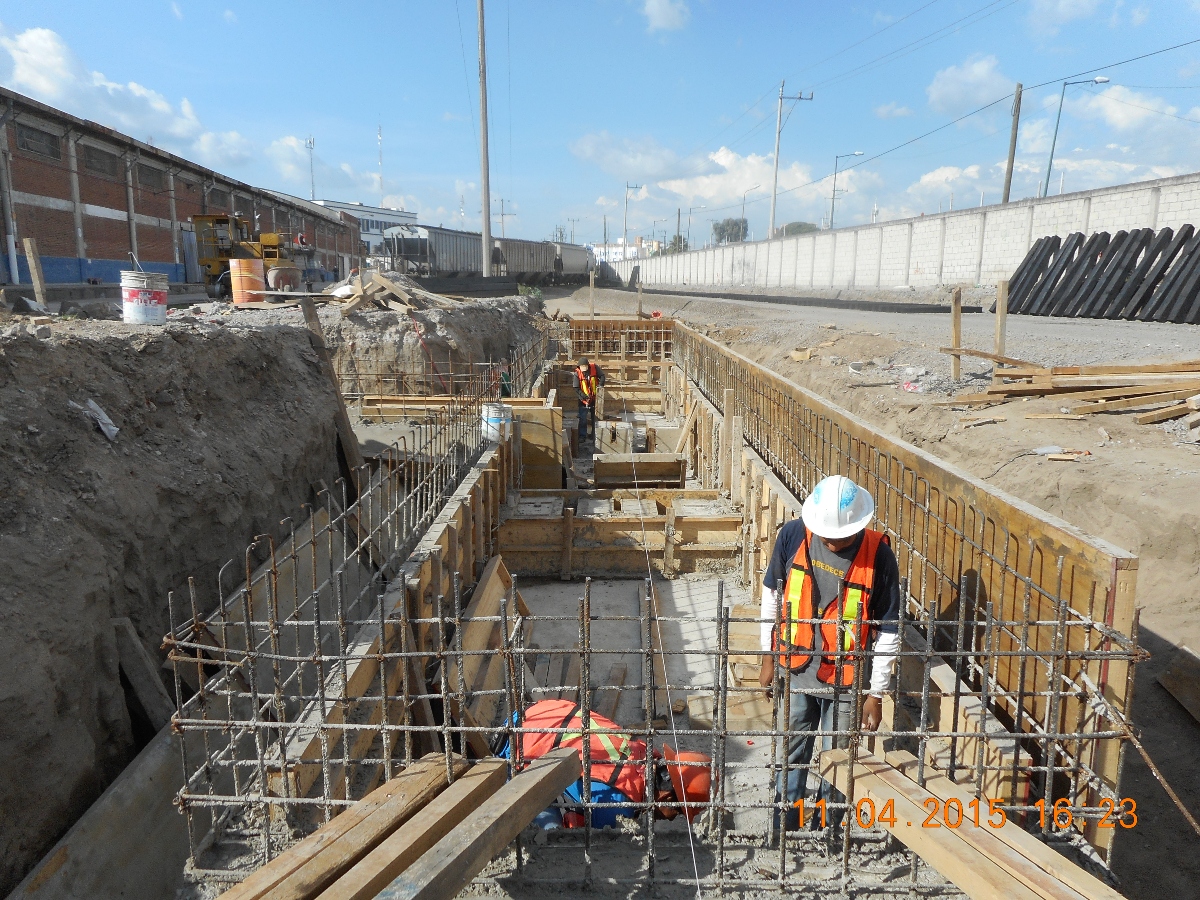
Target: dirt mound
{"points": [[222, 433]]}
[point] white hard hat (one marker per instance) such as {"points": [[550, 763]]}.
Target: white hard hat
{"points": [[837, 508]]}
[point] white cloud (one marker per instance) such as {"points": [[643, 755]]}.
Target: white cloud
{"points": [[1048, 15], [176, 10], [892, 110], [606, 202], [731, 174], [635, 159], [666, 15], [230, 16], [959, 89], [1139, 16], [1122, 108], [224, 148], [41, 65]]}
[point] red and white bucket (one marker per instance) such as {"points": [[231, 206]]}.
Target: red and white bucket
{"points": [[144, 298]]}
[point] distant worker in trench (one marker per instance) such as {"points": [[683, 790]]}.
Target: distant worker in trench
{"points": [[829, 564], [588, 380], [682, 780]]}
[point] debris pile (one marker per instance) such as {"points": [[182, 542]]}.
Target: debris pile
{"points": [[1154, 393]]}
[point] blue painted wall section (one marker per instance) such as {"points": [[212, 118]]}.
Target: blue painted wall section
{"points": [[71, 270]]}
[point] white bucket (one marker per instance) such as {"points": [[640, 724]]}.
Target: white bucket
{"points": [[144, 298], [497, 422]]}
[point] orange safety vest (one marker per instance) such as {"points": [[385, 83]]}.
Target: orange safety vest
{"points": [[794, 636], [617, 760], [587, 381]]}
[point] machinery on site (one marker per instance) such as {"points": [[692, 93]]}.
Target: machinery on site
{"points": [[222, 238]]}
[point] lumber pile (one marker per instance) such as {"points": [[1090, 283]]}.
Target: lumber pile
{"points": [[994, 859], [1151, 392], [377, 291]]}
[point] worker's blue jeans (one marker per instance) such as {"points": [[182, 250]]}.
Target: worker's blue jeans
{"points": [[587, 414], [810, 713]]}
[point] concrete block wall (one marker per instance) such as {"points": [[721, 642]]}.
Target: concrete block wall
{"points": [[972, 246]]}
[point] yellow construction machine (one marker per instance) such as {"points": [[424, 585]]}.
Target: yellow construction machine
{"points": [[222, 238]]}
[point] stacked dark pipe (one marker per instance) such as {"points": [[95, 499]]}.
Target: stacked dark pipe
{"points": [[1130, 275]]}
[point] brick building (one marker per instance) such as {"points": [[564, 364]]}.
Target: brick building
{"points": [[90, 196]]}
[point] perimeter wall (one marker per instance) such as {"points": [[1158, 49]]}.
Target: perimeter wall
{"points": [[972, 246]]}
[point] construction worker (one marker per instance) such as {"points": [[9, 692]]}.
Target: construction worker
{"points": [[588, 381], [618, 769], [829, 565]]}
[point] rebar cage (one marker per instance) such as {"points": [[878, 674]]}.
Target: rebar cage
{"points": [[385, 629]]}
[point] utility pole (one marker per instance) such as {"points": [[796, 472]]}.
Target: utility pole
{"points": [[381, 191], [485, 186], [678, 235], [778, 129], [1012, 142], [503, 216], [572, 221], [625, 222], [606, 259], [312, 178]]}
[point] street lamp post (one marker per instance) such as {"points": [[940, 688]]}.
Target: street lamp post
{"points": [[755, 188], [692, 209], [833, 193], [1099, 79]]}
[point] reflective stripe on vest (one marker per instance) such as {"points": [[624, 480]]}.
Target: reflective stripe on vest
{"points": [[795, 636], [610, 748], [587, 379]]}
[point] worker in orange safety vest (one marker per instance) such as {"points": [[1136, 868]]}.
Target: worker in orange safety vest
{"points": [[835, 633], [618, 767], [588, 380]]}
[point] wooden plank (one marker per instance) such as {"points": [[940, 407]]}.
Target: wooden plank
{"points": [[1046, 858], [633, 469], [608, 696], [447, 867], [568, 542], [1001, 317], [1108, 393], [35, 270], [1162, 415], [379, 813], [686, 430], [956, 332], [1131, 403], [398, 851], [345, 431], [1182, 679], [570, 680], [142, 673], [943, 848], [994, 357]]}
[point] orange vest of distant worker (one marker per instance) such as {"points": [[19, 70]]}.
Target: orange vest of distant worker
{"points": [[617, 760], [587, 382], [794, 638]]}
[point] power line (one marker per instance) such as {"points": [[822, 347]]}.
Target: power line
{"points": [[974, 112], [873, 34], [1109, 97]]}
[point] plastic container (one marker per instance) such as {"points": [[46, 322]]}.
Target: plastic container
{"points": [[497, 422], [549, 819], [247, 280], [144, 298]]}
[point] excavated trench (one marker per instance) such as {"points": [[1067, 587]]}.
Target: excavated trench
{"points": [[226, 425]]}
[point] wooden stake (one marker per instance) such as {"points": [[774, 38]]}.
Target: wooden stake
{"points": [[1001, 315], [35, 270], [956, 332], [639, 313]]}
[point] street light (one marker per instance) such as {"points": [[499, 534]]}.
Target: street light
{"points": [[755, 188], [1099, 79], [833, 193], [692, 209]]}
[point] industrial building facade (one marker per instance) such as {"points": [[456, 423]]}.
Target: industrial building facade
{"points": [[90, 196]]}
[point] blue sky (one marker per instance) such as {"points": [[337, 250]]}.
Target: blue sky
{"points": [[677, 96]]}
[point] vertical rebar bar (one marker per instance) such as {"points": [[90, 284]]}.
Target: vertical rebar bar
{"points": [[585, 708], [648, 708]]}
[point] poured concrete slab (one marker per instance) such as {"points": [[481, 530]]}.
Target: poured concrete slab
{"points": [[591, 506]]}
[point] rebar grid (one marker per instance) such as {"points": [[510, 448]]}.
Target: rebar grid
{"points": [[514, 376], [735, 829], [272, 662]]}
